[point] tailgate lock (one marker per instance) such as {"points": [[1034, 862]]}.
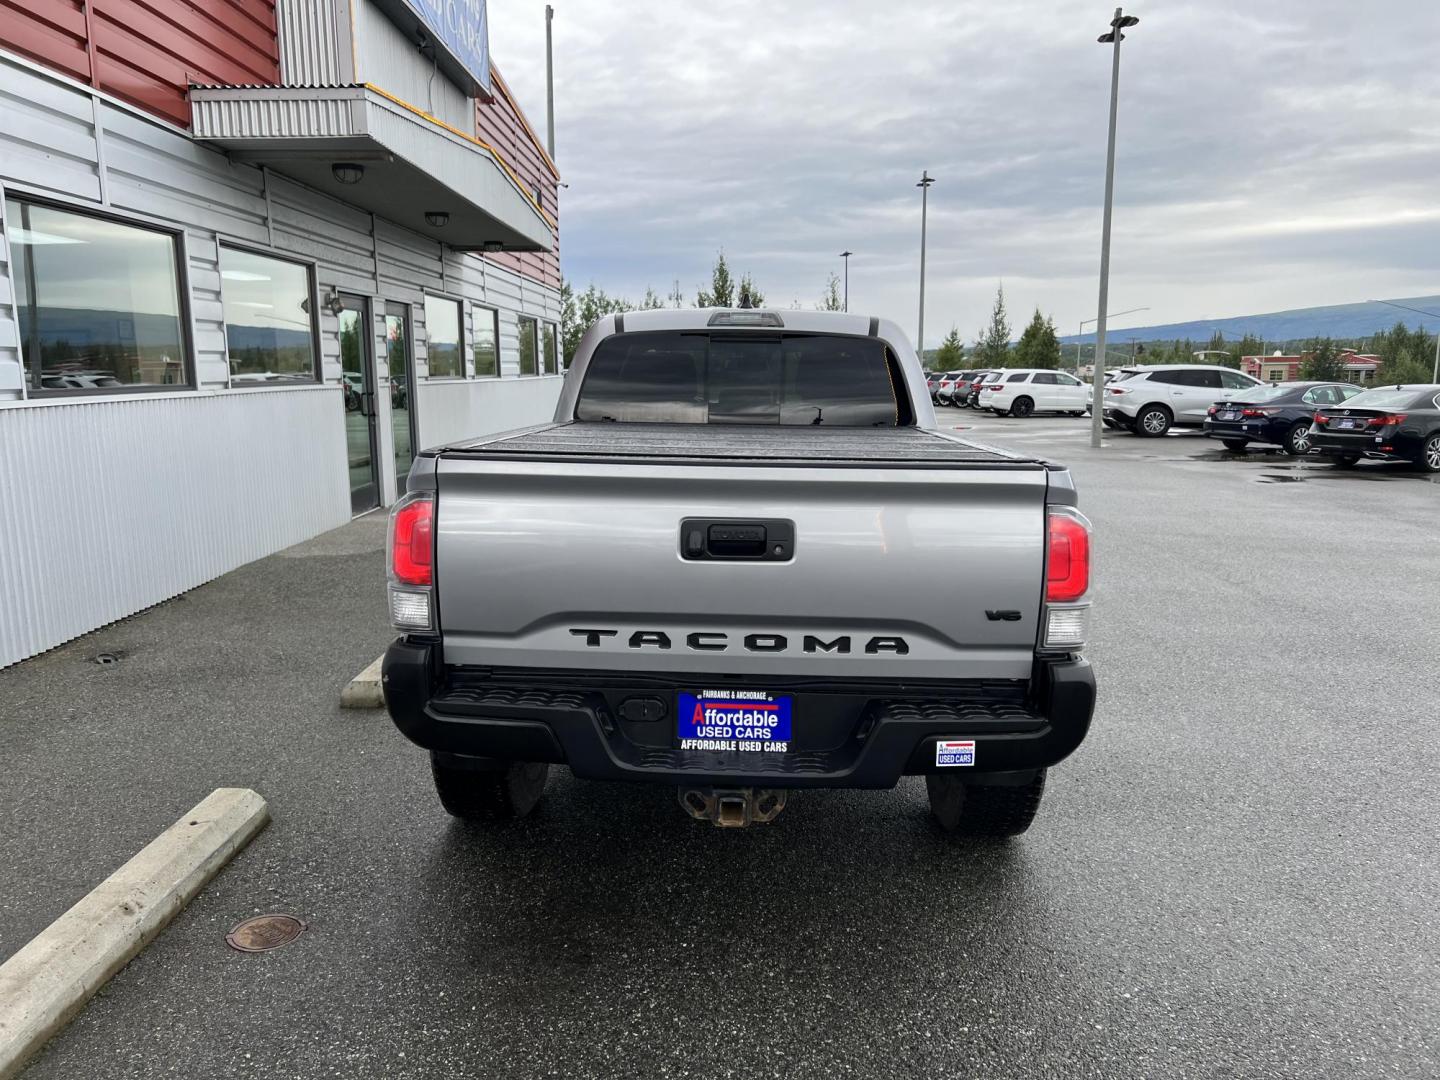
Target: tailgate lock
{"points": [[765, 540]]}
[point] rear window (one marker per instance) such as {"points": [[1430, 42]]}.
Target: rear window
{"points": [[1387, 397], [742, 378]]}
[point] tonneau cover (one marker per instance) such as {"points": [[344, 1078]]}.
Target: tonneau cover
{"points": [[738, 444]]}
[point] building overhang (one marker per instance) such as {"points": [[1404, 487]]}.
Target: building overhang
{"points": [[413, 164]]}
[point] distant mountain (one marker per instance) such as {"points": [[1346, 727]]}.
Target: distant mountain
{"points": [[1335, 320]]}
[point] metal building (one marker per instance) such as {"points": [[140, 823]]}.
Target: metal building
{"points": [[253, 253]]}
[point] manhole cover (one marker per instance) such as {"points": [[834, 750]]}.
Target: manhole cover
{"points": [[107, 658], [265, 932]]}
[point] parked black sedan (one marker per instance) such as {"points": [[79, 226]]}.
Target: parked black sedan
{"points": [[1389, 423], [1278, 415]]}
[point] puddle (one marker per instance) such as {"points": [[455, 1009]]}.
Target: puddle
{"points": [[1279, 478]]}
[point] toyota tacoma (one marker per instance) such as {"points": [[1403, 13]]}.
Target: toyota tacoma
{"points": [[711, 571]]}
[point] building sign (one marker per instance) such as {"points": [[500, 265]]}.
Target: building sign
{"points": [[459, 28]]}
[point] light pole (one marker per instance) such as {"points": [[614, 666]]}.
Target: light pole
{"points": [[1115, 36], [1435, 373], [1086, 322], [924, 185], [846, 256]]}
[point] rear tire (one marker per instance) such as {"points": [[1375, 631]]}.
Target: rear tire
{"points": [[1153, 420], [1238, 445], [510, 790], [1022, 407], [1297, 439], [1345, 461], [962, 809], [1429, 459]]}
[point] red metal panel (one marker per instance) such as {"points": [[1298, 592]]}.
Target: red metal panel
{"points": [[502, 125], [148, 51], [50, 31]]}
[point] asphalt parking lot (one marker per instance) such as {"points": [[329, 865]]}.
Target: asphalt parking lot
{"points": [[1234, 877]]}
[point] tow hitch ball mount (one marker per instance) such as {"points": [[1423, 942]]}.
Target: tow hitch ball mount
{"points": [[732, 808]]}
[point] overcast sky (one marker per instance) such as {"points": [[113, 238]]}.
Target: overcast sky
{"points": [[1272, 154]]}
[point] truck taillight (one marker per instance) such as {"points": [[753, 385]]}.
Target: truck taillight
{"points": [[1067, 556], [411, 561], [411, 540], [1067, 578]]}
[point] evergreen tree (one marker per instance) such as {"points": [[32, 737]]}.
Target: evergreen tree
{"points": [[579, 311], [652, 300], [951, 354], [1039, 345], [676, 297], [749, 296], [995, 339], [1323, 364], [831, 300], [722, 286]]}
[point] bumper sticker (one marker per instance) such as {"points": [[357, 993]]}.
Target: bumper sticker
{"points": [[955, 752]]}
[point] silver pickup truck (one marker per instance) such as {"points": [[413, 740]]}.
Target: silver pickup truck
{"points": [[713, 571]]}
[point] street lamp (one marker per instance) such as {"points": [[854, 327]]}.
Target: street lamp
{"points": [[1434, 374], [846, 256], [924, 185], [1086, 322], [1114, 37]]}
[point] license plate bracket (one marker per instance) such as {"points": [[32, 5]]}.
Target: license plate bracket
{"points": [[734, 721]]}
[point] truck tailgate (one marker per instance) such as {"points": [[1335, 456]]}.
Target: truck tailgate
{"points": [[915, 555]]}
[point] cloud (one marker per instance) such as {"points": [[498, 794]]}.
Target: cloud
{"points": [[1267, 159]]}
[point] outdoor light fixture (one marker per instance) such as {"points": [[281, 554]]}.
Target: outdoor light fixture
{"points": [[437, 218], [493, 245], [347, 172], [333, 303]]}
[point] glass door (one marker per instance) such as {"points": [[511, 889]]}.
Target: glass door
{"points": [[402, 389], [358, 388]]}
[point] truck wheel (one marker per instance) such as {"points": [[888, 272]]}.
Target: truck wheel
{"points": [[1022, 408], [510, 790], [1154, 420], [981, 809]]}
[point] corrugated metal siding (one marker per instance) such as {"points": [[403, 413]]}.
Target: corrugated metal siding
{"points": [[503, 126], [450, 412], [311, 44], [108, 507], [279, 117], [149, 51], [390, 60]]}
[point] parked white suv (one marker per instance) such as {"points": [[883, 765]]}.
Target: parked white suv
{"points": [[1152, 400], [1022, 391]]}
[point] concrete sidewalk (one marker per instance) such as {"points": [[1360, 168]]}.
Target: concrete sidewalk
{"points": [[235, 683]]}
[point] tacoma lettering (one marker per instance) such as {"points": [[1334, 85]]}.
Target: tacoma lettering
{"points": [[719, 641]]}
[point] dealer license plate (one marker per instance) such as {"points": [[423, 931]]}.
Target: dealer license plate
{"points": [[1228, 414], [742, 721], [1348, 424]]}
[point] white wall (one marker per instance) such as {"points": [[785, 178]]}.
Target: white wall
{"points": [[391, 61], [221, 477], [109, 506]]}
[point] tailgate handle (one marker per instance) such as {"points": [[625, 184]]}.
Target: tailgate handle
{"points": [[761, 541]]}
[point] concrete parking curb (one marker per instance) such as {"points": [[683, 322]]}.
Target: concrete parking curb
{"points": [[49, 980], [363, 691]]}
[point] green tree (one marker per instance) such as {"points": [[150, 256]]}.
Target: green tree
{"points": [[994, 345], [676, 297], [831, 300], [652, 300], [1322, 364], [722, 286], [580, 311], [749, 296], [1039, 345], [951, 354], [1405, 368]]}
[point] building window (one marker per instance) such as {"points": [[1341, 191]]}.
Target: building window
{"points": [[485, 326], [98, 300], [529, 361], [442, 338], [552, 350], [269, 325]]}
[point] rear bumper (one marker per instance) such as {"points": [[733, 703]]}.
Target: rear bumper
{"points": [[856, 735], [1393, 446]]}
